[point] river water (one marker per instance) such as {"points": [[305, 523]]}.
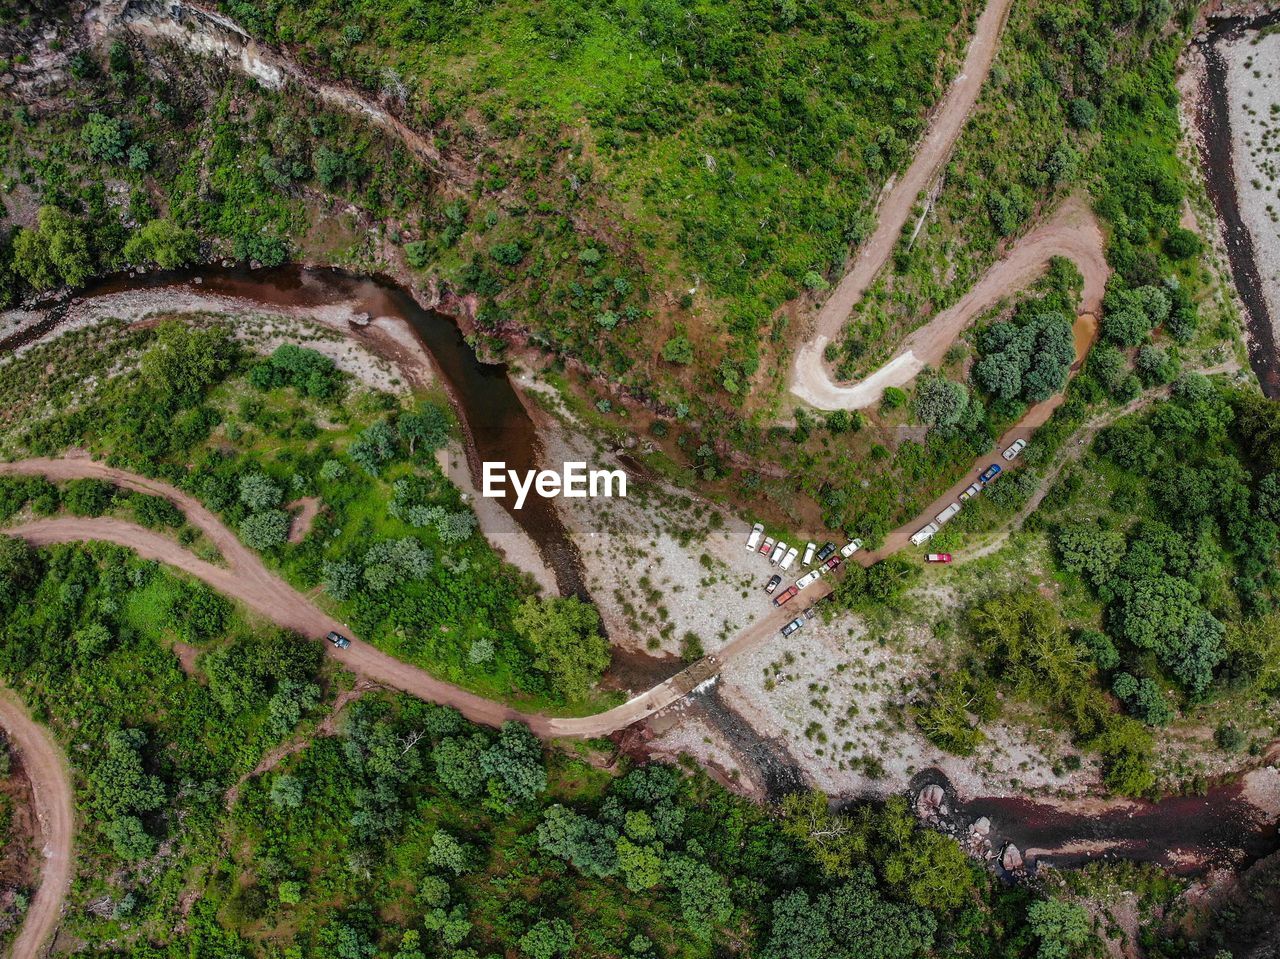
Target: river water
{"points": [[495, 421]]}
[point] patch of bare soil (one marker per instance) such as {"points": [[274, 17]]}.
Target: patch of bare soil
{"points": [[187, 656], [306, 509]]}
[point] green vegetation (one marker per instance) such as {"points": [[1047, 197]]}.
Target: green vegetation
{"points": [[393, 545], [1166, 542], [410, 831]]}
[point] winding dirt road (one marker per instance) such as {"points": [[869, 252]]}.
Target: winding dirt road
{"points": [[1072, 232], [50, 779]]}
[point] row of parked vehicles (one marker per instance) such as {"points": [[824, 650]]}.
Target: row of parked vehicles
{"points": [[927, 532], [783, 556]]}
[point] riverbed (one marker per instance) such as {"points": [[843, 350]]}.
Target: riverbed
{"points": [[1238, 120]]}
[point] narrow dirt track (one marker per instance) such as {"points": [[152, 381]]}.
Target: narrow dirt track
{"points": [[896, 205], [51, 788]]}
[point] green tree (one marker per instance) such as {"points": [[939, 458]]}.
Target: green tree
{"points": [[640, 865], [163, 243], [183, 363], [258, 492], [265, 530], [941, 402], [678, 350], [447, 852], [583, 841], [55, 252], [374, 448], [104, 138], [129, 838], [513, 765], [459, 764], [548, 938], [429, 425], [564, 635], [1062, 928]]}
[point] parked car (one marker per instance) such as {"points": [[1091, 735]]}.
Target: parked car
{"points": [[792, 626], [833, 563], [754, 539], [1017, 447], [827, 550], [971, 492], [809, 550], [790, 558], [786, 596], [946, 514], [808, 579], [338, 640], [767, 546], [922, 535], [774, 580], [990, 473], [938, 558], [850, 548], [779, 551]]}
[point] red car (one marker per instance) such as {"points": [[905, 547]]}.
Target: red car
{"points": [[939, 557], [786, 596]]}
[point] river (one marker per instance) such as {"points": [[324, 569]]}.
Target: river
{"points": [[1213, 117], [496, 424]]}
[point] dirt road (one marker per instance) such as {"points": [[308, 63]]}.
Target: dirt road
{"points": [[1072, 232], [248, 580], [897, 203], [51, 788]]}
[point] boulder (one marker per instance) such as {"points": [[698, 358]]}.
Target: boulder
{"points": [[360, 319], [1011, 858], [980, 827], [931, 802]]}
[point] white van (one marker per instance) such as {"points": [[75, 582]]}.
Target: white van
{"points": [[754, 539], [947, 513], [923, 535], [789, 558], [809, 550], [779, 551]]}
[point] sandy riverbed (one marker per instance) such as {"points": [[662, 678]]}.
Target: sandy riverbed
{"points": [[1253, 90]]}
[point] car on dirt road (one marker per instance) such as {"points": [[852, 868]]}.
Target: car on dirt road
{"points": [[1017, 447], [809, 578], [850, 548], [338, 640], [832, 564], [809, 550], [922, 535], [792, 626], [754, 539], [790, 558], [972, 491], [786, 596], [767, 546], [827, 550], [774, 580], [938, 558], [990, 473]]}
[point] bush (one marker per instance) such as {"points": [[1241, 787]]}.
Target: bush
{"points": [[265, 530], [164, 243]]}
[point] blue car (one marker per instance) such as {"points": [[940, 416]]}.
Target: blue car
{"points": [[990, 473]]}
